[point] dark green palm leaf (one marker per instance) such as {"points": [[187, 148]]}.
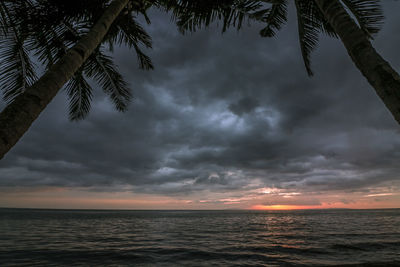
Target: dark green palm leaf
{"points": [[127, 31], [80, 96], [17, 71], [368, 14], [275, 17], [101, 68], [192, 15], [308, 28], [4, 17], [49, 45], [320, 21]]}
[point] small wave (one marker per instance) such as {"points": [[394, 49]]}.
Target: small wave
{"points": [[86, 238], [366, 246], [371, 264], [149, 256], [75, 257], [277, 250]]}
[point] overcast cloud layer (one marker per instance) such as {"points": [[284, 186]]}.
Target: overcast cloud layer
{"points": [[223, 113]]}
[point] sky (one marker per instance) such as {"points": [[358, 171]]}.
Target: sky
{"points": [[225, 121]]}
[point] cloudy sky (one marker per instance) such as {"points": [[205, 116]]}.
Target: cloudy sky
{"points": [[224, 121]]}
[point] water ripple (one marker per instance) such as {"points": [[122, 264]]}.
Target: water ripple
{"points": [[199, 238]]}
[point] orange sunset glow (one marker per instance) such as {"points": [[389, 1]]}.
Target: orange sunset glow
{"points": [[276, 199], [283, 207]]}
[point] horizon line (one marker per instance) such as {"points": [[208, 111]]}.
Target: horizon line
{"points": [[256, 210]]}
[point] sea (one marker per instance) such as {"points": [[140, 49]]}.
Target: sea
{"points": [[38, 237]]}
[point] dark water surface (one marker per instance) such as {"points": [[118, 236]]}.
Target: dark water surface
{"points": [[199, 238]]}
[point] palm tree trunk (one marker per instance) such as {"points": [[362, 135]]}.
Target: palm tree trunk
{"points": [[379, 73], [18, 116]]}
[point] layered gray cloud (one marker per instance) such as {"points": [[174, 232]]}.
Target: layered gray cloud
{"points": [[223, 113]]}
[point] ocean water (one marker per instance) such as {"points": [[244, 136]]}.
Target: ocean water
{"points": [[199, 238]]}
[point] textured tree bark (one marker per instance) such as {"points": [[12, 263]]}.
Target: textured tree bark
{"points": [[18, 116], [379, 73]]}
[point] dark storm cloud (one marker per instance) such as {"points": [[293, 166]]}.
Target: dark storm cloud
{"points": [[223, 113], [244, 105]]}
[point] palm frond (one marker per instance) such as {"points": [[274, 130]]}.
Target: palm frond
{"points": [[191, 15], [321, 22], [141, 7], [275, 17], [80, 95], [101, 68], [144, 60], [127, 31], [368, 14], [4, 17], [49, 45], [308, 28], [17, 71]]}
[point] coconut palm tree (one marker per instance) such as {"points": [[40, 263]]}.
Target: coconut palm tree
{"points": [[353, 21], [64, 38], [29, 98], [378, 72]]}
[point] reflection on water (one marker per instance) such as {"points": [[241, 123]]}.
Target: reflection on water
{"points": [[199, 238]]}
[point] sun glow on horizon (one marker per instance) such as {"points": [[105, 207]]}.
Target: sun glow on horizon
{"points": [[287, 207], [270, 199]]}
